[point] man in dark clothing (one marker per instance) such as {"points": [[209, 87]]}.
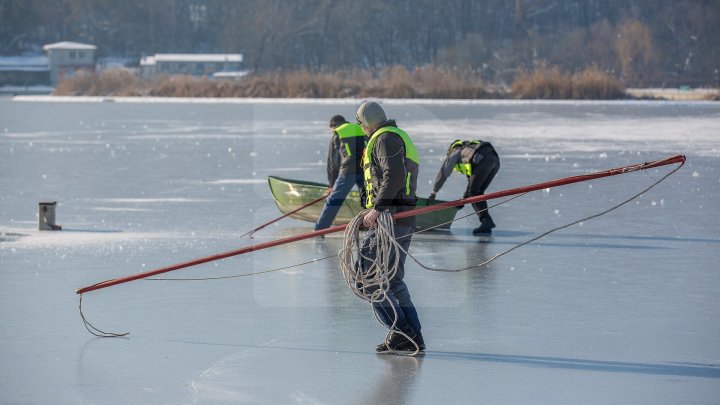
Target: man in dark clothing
{"points": [[391, 168], [479, 161], [343, 167]]}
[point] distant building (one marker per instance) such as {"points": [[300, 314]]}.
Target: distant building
{"points": [[190, 64], [24, 70], [67, 58]]}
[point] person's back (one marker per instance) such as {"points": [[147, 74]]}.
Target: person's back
{"points": [[343, 166], [346, 146], [479, 162]]}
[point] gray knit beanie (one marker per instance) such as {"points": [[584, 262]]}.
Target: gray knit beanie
{"points": [[370, 115]]}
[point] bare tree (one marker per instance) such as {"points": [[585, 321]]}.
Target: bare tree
{"points": [[636, 52]]}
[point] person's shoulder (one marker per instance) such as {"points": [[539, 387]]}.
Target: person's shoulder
{"points": [[389, 138], [388, 145]]}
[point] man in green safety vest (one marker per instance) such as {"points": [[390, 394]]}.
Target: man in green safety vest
{"points": [[479, 161], [391, 166], [343, 167]]}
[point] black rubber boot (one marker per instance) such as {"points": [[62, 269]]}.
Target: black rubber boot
{"points": [[485, 228]]}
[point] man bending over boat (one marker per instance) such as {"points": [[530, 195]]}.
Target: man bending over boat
{"points": [[479, 161], [343, 167]]}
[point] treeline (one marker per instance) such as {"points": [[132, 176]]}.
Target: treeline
{"points": [[388, 82], [641, 42]]}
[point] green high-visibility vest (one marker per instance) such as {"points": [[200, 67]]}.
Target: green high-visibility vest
{"points": [[465, 167], [348, 130], [410, 153]]}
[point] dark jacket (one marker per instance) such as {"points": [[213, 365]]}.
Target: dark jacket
{"points": [[391, 168], [472, 154], [338, 160]]}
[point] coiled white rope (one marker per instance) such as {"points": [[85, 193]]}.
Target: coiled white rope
{"points": [[372, 283]]}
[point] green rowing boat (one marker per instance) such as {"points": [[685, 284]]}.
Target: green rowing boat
{"points": [[290, 195]]}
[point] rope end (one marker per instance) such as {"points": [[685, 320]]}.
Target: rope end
{"points": [[95, 331]]}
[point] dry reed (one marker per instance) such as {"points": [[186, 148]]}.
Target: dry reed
{"points": [[550, 83], [387, 82]]}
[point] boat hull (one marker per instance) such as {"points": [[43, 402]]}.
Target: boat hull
{"points": [[291, 194]]}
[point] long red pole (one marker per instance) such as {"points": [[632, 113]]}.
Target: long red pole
{"points": [[677, 159], [680, 159]]}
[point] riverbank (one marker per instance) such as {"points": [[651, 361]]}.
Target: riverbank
{"points": [[680, 94], [331, 101], [396, 83]]}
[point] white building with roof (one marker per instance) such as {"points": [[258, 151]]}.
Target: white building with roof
{"points": [[66, 58], [190, 64]]}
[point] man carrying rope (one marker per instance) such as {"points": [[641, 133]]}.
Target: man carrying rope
{"points": [[391, 167]]}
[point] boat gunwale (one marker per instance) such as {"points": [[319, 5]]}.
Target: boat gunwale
{"points": [[307, 183]]}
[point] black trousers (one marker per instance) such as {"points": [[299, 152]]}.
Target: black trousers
{"points": [[484, 172]]}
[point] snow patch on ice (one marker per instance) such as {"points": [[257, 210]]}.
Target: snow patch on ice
{"points": [[34, 239], [545, 134], [173, 136], [118, 209], [151, 200], [236, 181]]}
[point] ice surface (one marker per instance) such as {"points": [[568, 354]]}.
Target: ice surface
{"points": [[623, 309]]}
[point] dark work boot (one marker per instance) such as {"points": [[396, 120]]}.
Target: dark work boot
{"points": [[382, 348], [399, 343], [485, 228], [409, 347], [392, 340]]}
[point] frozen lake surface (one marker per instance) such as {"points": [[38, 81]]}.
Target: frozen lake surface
{"points": [[622, 309]]}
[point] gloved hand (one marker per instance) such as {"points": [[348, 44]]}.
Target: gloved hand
{"points": [[431, 198]]}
